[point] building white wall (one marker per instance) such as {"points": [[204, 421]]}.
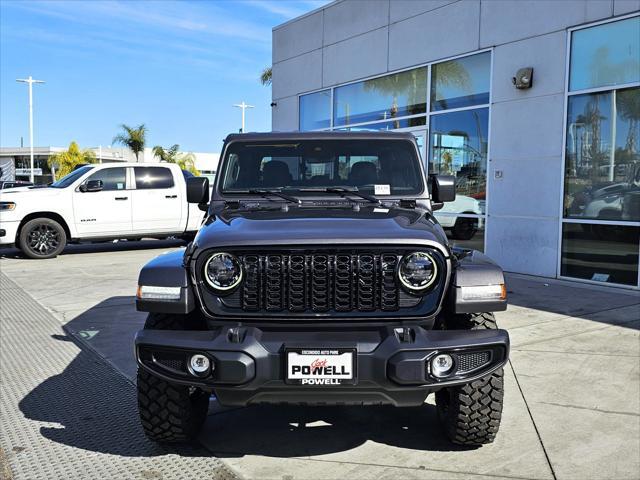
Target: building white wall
{"points": [[203, 160], [349, 40]]}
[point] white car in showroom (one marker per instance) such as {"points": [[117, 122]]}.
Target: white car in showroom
{"points": [[461, 227], [99, 202]]}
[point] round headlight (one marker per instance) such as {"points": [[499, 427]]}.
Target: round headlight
{"points": [[417, 271], [223, 271]]}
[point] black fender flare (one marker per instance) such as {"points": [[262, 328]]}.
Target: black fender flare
{"points": [[475, 269], [166, 270]]}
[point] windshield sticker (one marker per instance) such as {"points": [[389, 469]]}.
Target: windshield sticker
{"points": [[381, 210], [382, 190]]}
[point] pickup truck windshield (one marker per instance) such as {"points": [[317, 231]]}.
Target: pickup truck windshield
{"points": [[67, 180], [304, 167]]}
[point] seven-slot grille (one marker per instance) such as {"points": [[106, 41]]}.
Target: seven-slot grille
{"points": [[320, 282]]}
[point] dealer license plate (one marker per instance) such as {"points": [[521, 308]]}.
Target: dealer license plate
{"points": [[321, 366]]}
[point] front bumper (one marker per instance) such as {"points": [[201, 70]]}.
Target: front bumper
{"points": [[8, 231], [391, 363]]}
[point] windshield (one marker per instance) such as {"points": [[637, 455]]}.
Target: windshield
{"points": [[72, 177], [377, 167]]}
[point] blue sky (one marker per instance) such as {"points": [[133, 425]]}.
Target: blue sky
{"points": [[176, 66]]}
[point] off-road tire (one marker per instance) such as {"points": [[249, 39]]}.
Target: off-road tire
{"points": [[170, 413], [470, 414], [42, 238]]}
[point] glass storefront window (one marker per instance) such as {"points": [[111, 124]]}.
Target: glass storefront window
{"points": [[603, 253], [382, 98], [315, 110], [403, 123], [602, 160], [463, 232], [461, 83], [458, 146], [605, 55]]}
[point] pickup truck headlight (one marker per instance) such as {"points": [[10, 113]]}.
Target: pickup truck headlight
{"points": [[223, 271], [417, 271], [4, 206]]}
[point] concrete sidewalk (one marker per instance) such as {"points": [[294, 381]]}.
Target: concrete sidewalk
{"points": [[572, 388]]}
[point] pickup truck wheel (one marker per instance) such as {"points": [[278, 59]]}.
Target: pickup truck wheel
{"points": [[170, 413], [42, 238], [470, 414], [464, 228]]}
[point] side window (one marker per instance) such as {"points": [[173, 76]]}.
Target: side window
{"points": [[153, 177], [112, 178]]}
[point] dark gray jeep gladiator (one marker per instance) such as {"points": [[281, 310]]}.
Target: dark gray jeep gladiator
{"points": [[321, 277]]}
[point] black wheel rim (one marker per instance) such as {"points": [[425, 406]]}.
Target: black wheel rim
{"points": [[43, 239], [467, 227]]}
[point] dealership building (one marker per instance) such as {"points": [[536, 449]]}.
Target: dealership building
{"points": [[15, 162], [533, 105]]}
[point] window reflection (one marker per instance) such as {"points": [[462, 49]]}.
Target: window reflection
{"points": [[602, 176], [458, 146], [404, 123], [112, 178], [315, 110], [382, 98], [606, 54], [603, 253], [461, 83], [463, 231]]}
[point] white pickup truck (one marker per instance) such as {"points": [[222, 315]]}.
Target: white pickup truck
{"points": [[99, 202]]}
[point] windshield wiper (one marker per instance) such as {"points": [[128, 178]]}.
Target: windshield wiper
{"points": [[266, 193], [343, 191]]}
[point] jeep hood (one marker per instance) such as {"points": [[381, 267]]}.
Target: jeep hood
{"points": [[320, 226]]}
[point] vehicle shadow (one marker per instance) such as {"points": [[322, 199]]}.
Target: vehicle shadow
{"points": [[93, 404], [93, 407], [299, 431], [102, 247], [605, 305]]}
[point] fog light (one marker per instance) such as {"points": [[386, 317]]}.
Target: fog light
{"points": [[441, 365], [199, 365]]}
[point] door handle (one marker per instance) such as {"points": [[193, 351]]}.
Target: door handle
{"points": [[171, 196], [122, 198]]}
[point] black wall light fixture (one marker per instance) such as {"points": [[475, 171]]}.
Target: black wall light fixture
{"points": [[523, 78]]}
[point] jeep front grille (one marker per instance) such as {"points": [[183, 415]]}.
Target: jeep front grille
{"points": [[302, 282]]}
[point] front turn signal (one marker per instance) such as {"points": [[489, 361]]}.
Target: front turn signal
{"points": [[484, 292]]}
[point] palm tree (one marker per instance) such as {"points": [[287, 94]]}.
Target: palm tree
{"points": [[266, 76], [628, 104], [413, 84], [186, 161], [64, 163], [132, 138], [592, 119], [166, 155]]}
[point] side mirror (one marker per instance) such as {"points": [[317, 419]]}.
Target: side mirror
{"points": [[91, 186], [198, 191], [443, 189]]}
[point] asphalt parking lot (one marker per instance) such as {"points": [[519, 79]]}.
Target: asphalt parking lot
{"points": [[572, 406]]}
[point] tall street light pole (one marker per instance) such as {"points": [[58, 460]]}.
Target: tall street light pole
{"points": [[30, 81], [243, 106]]}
